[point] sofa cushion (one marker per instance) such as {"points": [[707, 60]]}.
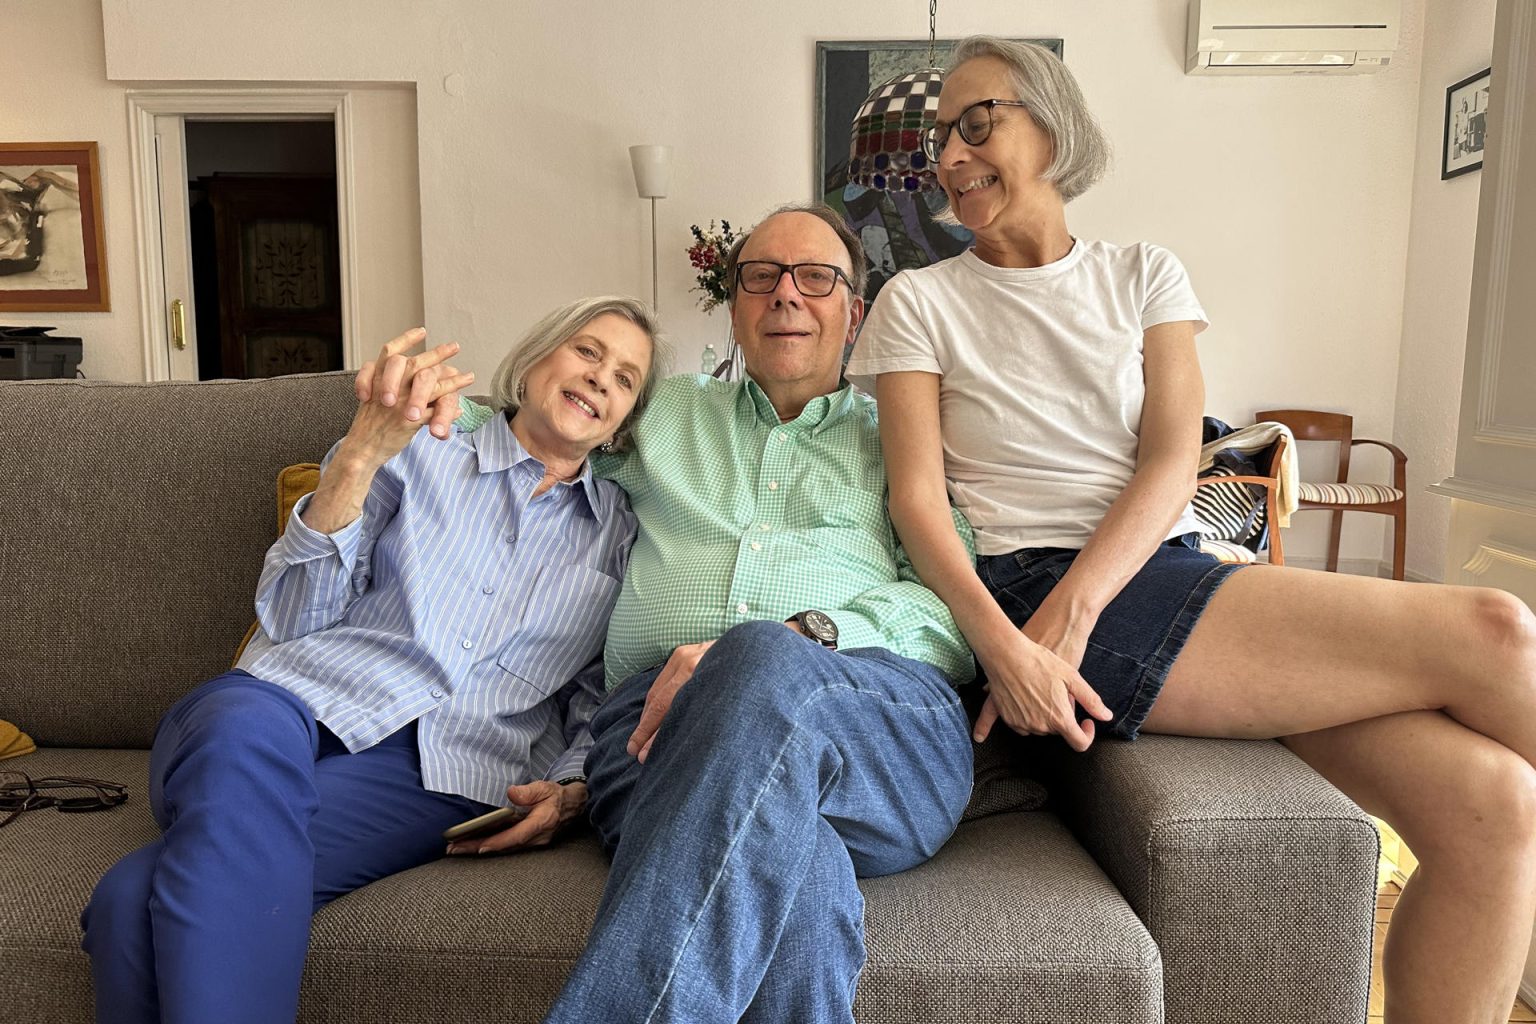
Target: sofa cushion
{"points": [[1011, 921], [135, 530]]}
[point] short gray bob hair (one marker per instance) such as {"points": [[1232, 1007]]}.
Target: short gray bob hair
{"points": [[557, 328], [1080, 149]]}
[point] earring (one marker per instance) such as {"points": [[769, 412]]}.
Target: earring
{"points": [[606, 447], [521, 387]]}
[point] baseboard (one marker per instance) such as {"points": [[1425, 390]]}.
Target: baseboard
{"points": [[1528, 988]]}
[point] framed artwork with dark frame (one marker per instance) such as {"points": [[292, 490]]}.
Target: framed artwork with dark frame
{"points": [[52, 258], [899, 230], [1466, 125]]}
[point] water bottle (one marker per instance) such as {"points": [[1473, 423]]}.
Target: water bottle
{"points": [[709, 361]]}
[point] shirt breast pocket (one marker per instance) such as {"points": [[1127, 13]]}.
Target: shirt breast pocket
{"points": [[563, 626]]}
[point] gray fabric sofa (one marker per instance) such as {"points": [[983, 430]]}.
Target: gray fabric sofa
{"points": [[1172, 880]]}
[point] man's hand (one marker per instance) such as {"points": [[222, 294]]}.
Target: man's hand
{"points": [[677, 671], [392, 373], [551, 807]]}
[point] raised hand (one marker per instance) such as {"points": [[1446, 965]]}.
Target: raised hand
{"points": [[384, 423], [394, 379]]}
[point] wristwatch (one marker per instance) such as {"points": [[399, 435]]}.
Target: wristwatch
{"points": [[819, 627]]}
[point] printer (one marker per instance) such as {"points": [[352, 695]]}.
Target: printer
{"points": [[28, 353]]}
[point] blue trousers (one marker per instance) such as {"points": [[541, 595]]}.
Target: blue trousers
{"points": [[266, 818], [782, 772]]}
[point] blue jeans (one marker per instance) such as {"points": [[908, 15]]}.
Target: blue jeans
{"points": [[782, 772], [266, 818]]}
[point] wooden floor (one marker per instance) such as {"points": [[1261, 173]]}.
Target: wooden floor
{"points": [[1385, 901]]}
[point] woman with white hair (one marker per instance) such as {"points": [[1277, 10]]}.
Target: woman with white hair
{"points": [[1049, 385], [431, 623]]}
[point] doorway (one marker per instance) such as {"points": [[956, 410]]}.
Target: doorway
{"points": [[265, 267], [280, 295]]}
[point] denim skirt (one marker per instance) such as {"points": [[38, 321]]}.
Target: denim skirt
{"points": [[1140, 632]]}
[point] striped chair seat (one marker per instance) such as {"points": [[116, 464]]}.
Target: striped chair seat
{"points": [[1227, 551], [1349, 494]]}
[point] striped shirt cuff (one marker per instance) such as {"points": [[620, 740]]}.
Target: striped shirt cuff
{"points": [[307, 544]]}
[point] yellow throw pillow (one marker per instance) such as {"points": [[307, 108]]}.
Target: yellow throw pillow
{"points": [[293, 482], [14, 742]]}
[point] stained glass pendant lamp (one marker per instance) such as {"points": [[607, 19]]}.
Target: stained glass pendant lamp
{"points": [[885, 149]]}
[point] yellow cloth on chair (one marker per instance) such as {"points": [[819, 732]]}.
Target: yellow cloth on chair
{"points": [[14, 742]]}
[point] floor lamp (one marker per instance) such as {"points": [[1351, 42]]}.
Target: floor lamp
{"points": [[653, 167]]}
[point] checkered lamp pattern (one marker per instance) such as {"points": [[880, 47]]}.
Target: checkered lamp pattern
{"points": [[885, 151]]}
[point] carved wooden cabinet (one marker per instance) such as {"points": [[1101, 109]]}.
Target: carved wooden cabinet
{"points": [[279, 274]]}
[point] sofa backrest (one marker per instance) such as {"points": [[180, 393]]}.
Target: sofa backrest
{"points": [[135, 521]]}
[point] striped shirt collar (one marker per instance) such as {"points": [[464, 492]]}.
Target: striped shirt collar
{"points": [[819, 413], [497, 449]]}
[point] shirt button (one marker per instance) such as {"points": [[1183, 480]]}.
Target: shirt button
{"points": [[511, 540], [487, 590], [741, 609], [773, 485], [756, 546], [437, 694], [468, 644], [764, 527]]}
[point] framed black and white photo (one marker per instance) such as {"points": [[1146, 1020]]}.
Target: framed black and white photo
{"points": [[1466, 125], [51, 253]]}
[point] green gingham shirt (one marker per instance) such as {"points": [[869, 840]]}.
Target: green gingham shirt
{"points": [[743, 517]]}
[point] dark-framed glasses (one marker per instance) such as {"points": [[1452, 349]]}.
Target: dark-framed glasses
{"points": [[974, 125], [20, 793], [815, 280]]}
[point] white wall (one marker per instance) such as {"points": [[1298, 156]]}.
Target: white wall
{"points": [[1286, 197], [73, 101], [1458, 41]]}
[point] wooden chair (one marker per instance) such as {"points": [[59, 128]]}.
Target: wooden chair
{"points": [[1229, 551], [1341, 496]]}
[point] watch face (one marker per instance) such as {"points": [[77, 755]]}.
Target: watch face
{"points": [[820, 626]]}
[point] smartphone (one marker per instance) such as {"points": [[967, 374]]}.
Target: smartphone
{"points": [[486, 824]]}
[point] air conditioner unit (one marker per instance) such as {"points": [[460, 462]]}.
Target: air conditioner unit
{"points": [[1291, 37]]}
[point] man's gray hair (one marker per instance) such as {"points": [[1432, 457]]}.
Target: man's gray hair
{"points": [[1080, 149], [859, 276], [557, 328]]}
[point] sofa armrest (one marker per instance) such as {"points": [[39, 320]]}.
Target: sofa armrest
{"points": [[1254, 875]]}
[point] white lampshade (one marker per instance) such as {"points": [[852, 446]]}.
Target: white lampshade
{"points": [[653, 170]]}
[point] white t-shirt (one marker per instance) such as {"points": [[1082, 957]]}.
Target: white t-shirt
{"points": [[1042, 387]]}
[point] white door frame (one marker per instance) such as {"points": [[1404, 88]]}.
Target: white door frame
{"points": [[144, 105]]}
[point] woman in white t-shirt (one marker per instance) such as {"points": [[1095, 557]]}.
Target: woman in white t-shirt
{"points": [[1049, 386]]}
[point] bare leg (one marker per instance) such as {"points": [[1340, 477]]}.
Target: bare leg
{"points": [[1419, 702], [1282, 651], [1467, 807]]}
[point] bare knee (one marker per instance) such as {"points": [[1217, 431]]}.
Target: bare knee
{"points": [[1502, 624], [1486, 810]]}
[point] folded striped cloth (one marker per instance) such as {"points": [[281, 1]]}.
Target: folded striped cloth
{"points": [[14, 742], [1256, 438]]}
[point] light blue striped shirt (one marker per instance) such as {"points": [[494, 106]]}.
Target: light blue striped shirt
{"points": [[457, 600]]}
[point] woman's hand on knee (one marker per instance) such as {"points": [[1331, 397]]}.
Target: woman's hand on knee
{"points": [[551, 807], [1035, 692]]}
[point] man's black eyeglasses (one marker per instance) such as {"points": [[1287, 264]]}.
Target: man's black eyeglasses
{"points": [[20, 793], [815, 280], [974, 125]]}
